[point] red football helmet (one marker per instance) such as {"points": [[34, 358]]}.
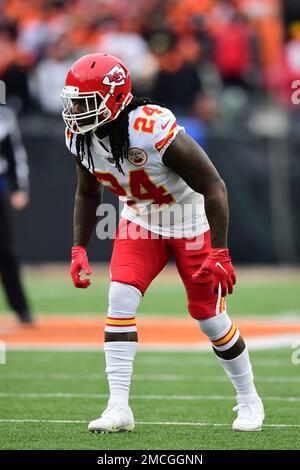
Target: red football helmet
{"points": [[101, 85]]}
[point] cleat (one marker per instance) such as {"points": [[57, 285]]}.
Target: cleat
{"points": [[250, 415], [115, 418]]}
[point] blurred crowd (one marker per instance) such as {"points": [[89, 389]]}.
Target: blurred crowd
{"points": [[191, 55]]}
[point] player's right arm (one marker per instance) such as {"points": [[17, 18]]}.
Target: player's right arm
{"points": [[87, 199]]}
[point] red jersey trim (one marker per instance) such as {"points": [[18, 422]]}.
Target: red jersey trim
{"points": [[159, 145]]}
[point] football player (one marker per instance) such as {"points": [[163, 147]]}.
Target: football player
{"points": [[175, 203]]}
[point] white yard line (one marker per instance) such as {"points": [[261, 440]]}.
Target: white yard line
{"points": [[152, 397], [143, 423], [258, 343], [143, 377]]}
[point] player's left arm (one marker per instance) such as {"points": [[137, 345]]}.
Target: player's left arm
{"points": [[191, 163]]}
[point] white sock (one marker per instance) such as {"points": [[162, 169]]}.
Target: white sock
{"points": [[239, 371], [119, 357]]}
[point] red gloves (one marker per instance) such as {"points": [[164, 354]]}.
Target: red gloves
{"points": [[217, 268], [79, 262]]}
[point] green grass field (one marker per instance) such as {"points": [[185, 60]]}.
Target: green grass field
{"points": [[180, 401]]}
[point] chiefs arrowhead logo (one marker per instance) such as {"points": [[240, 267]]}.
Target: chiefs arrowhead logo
{"points": [[116, 76], [137, 157]]}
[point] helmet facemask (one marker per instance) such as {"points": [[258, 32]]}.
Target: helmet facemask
{"points": [[94, 105]]}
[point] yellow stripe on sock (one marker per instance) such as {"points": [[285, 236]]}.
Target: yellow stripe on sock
{"points": [[119, 322], [227, 337]]}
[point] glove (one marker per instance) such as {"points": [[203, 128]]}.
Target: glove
{"points": [[217, 268], [79, 262]]}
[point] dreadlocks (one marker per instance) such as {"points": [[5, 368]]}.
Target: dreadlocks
{"points": [[118, 135]]}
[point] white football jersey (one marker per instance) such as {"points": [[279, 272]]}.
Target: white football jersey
{"points": [[154, 196]]}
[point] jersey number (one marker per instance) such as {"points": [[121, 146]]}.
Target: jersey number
{"points": [[141, 187], [146, 124]]}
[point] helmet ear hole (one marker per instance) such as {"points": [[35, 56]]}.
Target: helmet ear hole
{"points": [[118, 97]]}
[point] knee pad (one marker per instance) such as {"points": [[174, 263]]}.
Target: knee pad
{"points": [[123, 300], [220, 330]]}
